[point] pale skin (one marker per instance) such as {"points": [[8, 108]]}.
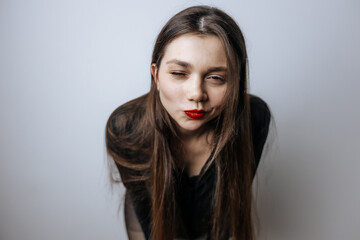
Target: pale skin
{"points": [[191, 75]]}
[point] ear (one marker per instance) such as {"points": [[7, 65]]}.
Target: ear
{"points": [[154, 73]]}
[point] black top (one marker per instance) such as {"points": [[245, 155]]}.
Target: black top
{"points": [[194, 198]]}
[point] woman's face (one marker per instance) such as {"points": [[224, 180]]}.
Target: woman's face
{"points": [[191, 80]]}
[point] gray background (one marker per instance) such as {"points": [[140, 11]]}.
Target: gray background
{"points": [[65, 65]]}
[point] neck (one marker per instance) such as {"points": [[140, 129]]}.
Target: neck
{"points": [[193, 150]]}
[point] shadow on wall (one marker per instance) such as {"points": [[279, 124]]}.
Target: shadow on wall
{"points": [[288, 198]]}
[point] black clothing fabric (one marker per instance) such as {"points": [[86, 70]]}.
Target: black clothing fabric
{"points": [[194, 194]]}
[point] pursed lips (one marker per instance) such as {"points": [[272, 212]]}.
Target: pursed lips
{"points": [[195, 113]]}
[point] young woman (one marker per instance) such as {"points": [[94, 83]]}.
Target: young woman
{"points": [[187, 151]]}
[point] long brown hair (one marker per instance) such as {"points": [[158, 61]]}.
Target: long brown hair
{"points": [[143, 128]]}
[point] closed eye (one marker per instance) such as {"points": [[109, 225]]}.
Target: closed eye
{"points": [[178, 73]]}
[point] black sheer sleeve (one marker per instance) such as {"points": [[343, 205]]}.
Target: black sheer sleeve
{"points": [[133, 226]]}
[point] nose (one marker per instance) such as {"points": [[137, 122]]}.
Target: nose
{"points": [[195, 89]]}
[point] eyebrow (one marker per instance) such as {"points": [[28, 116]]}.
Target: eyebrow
{"points": [[218, 69], [188, 65], [181, 63]]}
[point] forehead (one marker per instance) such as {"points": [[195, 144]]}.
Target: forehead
{"points": [[196, 49]]}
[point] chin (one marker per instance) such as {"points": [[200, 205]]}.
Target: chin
{"points": [[190, 127]]}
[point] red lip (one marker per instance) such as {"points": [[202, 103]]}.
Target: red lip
{"points": [[195, 114]]}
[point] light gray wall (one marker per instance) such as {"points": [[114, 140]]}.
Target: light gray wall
{"points": [[65, 65]]}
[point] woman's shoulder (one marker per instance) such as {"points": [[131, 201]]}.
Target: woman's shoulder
{"points": [[259, 107], [125, 118], [127, 134], [127, 139], [260, 122], [260, 112]]}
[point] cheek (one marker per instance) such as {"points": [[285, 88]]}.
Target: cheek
{"points": [[169, 92], [217, 96]]}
